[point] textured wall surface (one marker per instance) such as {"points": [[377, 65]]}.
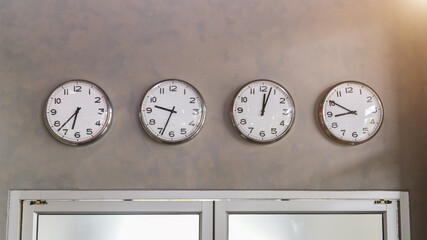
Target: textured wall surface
{"points": [[127, 46]]}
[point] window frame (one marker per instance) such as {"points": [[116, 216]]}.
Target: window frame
{"points": [[15, 215], [389, 212]]}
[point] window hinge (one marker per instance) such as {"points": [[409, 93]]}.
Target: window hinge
{"points": [[383, 201], [38, 202]]}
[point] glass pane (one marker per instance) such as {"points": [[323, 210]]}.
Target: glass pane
{"points": [[118, 227], [305, 226]]}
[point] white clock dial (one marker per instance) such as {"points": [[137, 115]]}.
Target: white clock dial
{"points": [[78, 112], [263, 111], [351, 113], [172, 111]]}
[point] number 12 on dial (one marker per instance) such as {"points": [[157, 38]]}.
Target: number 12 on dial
{"points": [[263, 111]]}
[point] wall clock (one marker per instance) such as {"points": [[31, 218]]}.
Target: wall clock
{"points": [[351, 113], [172, 111], [263, 111], [78, 112]]}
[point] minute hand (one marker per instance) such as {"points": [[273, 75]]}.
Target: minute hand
{"points": [[265, 100], [341, 106], [342, 114]]}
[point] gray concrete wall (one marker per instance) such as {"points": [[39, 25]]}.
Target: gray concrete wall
{"points": [[126, 46]]}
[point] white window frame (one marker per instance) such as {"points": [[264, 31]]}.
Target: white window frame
{"points": [[32, 211], [388, 211], [224, 202]]}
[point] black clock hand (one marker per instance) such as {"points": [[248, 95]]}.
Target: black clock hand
{"points": [[333, 102], [172, 111], [75, 117], [342, 114], [265, 102], [77, 110], [263, 105], [165, 109]]}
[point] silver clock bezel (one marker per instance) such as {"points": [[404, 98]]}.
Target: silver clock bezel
{"points": [[102, 133], [325, 127], [189, 137], [234, 123]]}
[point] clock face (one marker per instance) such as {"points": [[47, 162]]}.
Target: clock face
{"points": [[172, 111], [263, 111], [78, 112], [351, 113]]}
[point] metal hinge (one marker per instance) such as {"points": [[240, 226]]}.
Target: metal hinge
{"points": [[383, 201], [38, 202]]}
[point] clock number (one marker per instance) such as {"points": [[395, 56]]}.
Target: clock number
{"points": [[193, 100], [244, 99], [77, 88], [97, 100], [171, 134], [354, 134], [153, 99], [53, 111], [162, 91], [98, 123], [263, 88], [183, 131], [365, 130], [273, 131], [89, 131], [343, 132], [369, 99], [334, 125], [252, 91], [192, 123], [331, 103], [149, 110], [56, 123], [251, 129], [262, 133], [160, 130], [282, 100], [282, 123], [360, 90], [57, 100], [65, 131], [349, 90], [196, 111], [239, 110], [77, 134], [372, 121], [101, 111], [65, 91], [338, 93], [152, 122], [243, 121], [286, 111], [376, 110], [274, 92], [172, 88], [89, 91], [329, 114]]}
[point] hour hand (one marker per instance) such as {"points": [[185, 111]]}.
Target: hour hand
{"points": [[169, 110]]}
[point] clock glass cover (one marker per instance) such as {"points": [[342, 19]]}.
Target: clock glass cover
{"points": [[351, 113], [172, 111], [263, 111], [78, 112]]}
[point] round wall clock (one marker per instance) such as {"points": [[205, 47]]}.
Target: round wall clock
{"points": [[263, 111], [172, 111], [78, 112], [351, 113]]}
